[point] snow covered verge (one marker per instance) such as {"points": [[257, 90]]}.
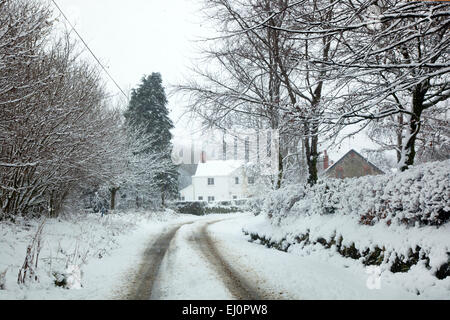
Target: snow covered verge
{"points": [[94, 254], [394, 224]]}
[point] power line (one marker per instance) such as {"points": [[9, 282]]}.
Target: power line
{"points": [[89, 49]]}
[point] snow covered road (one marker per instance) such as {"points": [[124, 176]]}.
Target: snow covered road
{"points": [[210, 258], [150, 265], [184, 263], [241, 287]]}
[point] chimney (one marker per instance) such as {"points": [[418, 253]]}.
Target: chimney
{"points": [[326, 160], [203, 157], [224, 149]]}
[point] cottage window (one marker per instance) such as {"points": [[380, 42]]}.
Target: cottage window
{"points": [[210, 181], [234, 197], [200, 198], [211, 199], [236, 180]]}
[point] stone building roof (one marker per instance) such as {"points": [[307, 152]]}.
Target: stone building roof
{"points": [[347, 155]]}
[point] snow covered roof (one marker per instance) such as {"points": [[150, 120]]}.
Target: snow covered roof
{"points": [[216, 168]]}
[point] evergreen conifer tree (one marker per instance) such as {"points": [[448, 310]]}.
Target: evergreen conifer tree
{"points": [[147, 111]]}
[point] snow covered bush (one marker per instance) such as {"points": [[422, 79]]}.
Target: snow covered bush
{"points": [[190, 207], [203, 207], [325, 196], [278, 203], [420, 196], [225, 206], [30, 265], [254, 205], [70, 279]]}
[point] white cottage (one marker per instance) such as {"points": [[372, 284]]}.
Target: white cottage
{"points": [[218, 180]]}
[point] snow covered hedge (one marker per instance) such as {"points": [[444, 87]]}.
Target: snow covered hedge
{"points": [[419, 196], [203, 207], [397, 221]]}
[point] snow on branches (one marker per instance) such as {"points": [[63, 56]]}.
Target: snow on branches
{"points": [[318, 70], [55, 134]]}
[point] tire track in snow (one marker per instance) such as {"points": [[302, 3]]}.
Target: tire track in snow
{"points": [[239, 286], [141, 288]]}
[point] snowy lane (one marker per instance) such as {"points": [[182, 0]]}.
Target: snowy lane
{"points": [[241, 288], [141, 288], [184, 263], [185, 274], [211, 259]]}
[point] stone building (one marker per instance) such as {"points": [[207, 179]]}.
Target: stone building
{"points": [[351, 165]]}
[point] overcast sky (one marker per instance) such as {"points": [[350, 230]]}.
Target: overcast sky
{"points": [[138, 37]]}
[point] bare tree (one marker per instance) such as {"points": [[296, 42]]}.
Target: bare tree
{"points": [[56, 134], [384, 58], [269, 70], [393, 61], [245, 86]]}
